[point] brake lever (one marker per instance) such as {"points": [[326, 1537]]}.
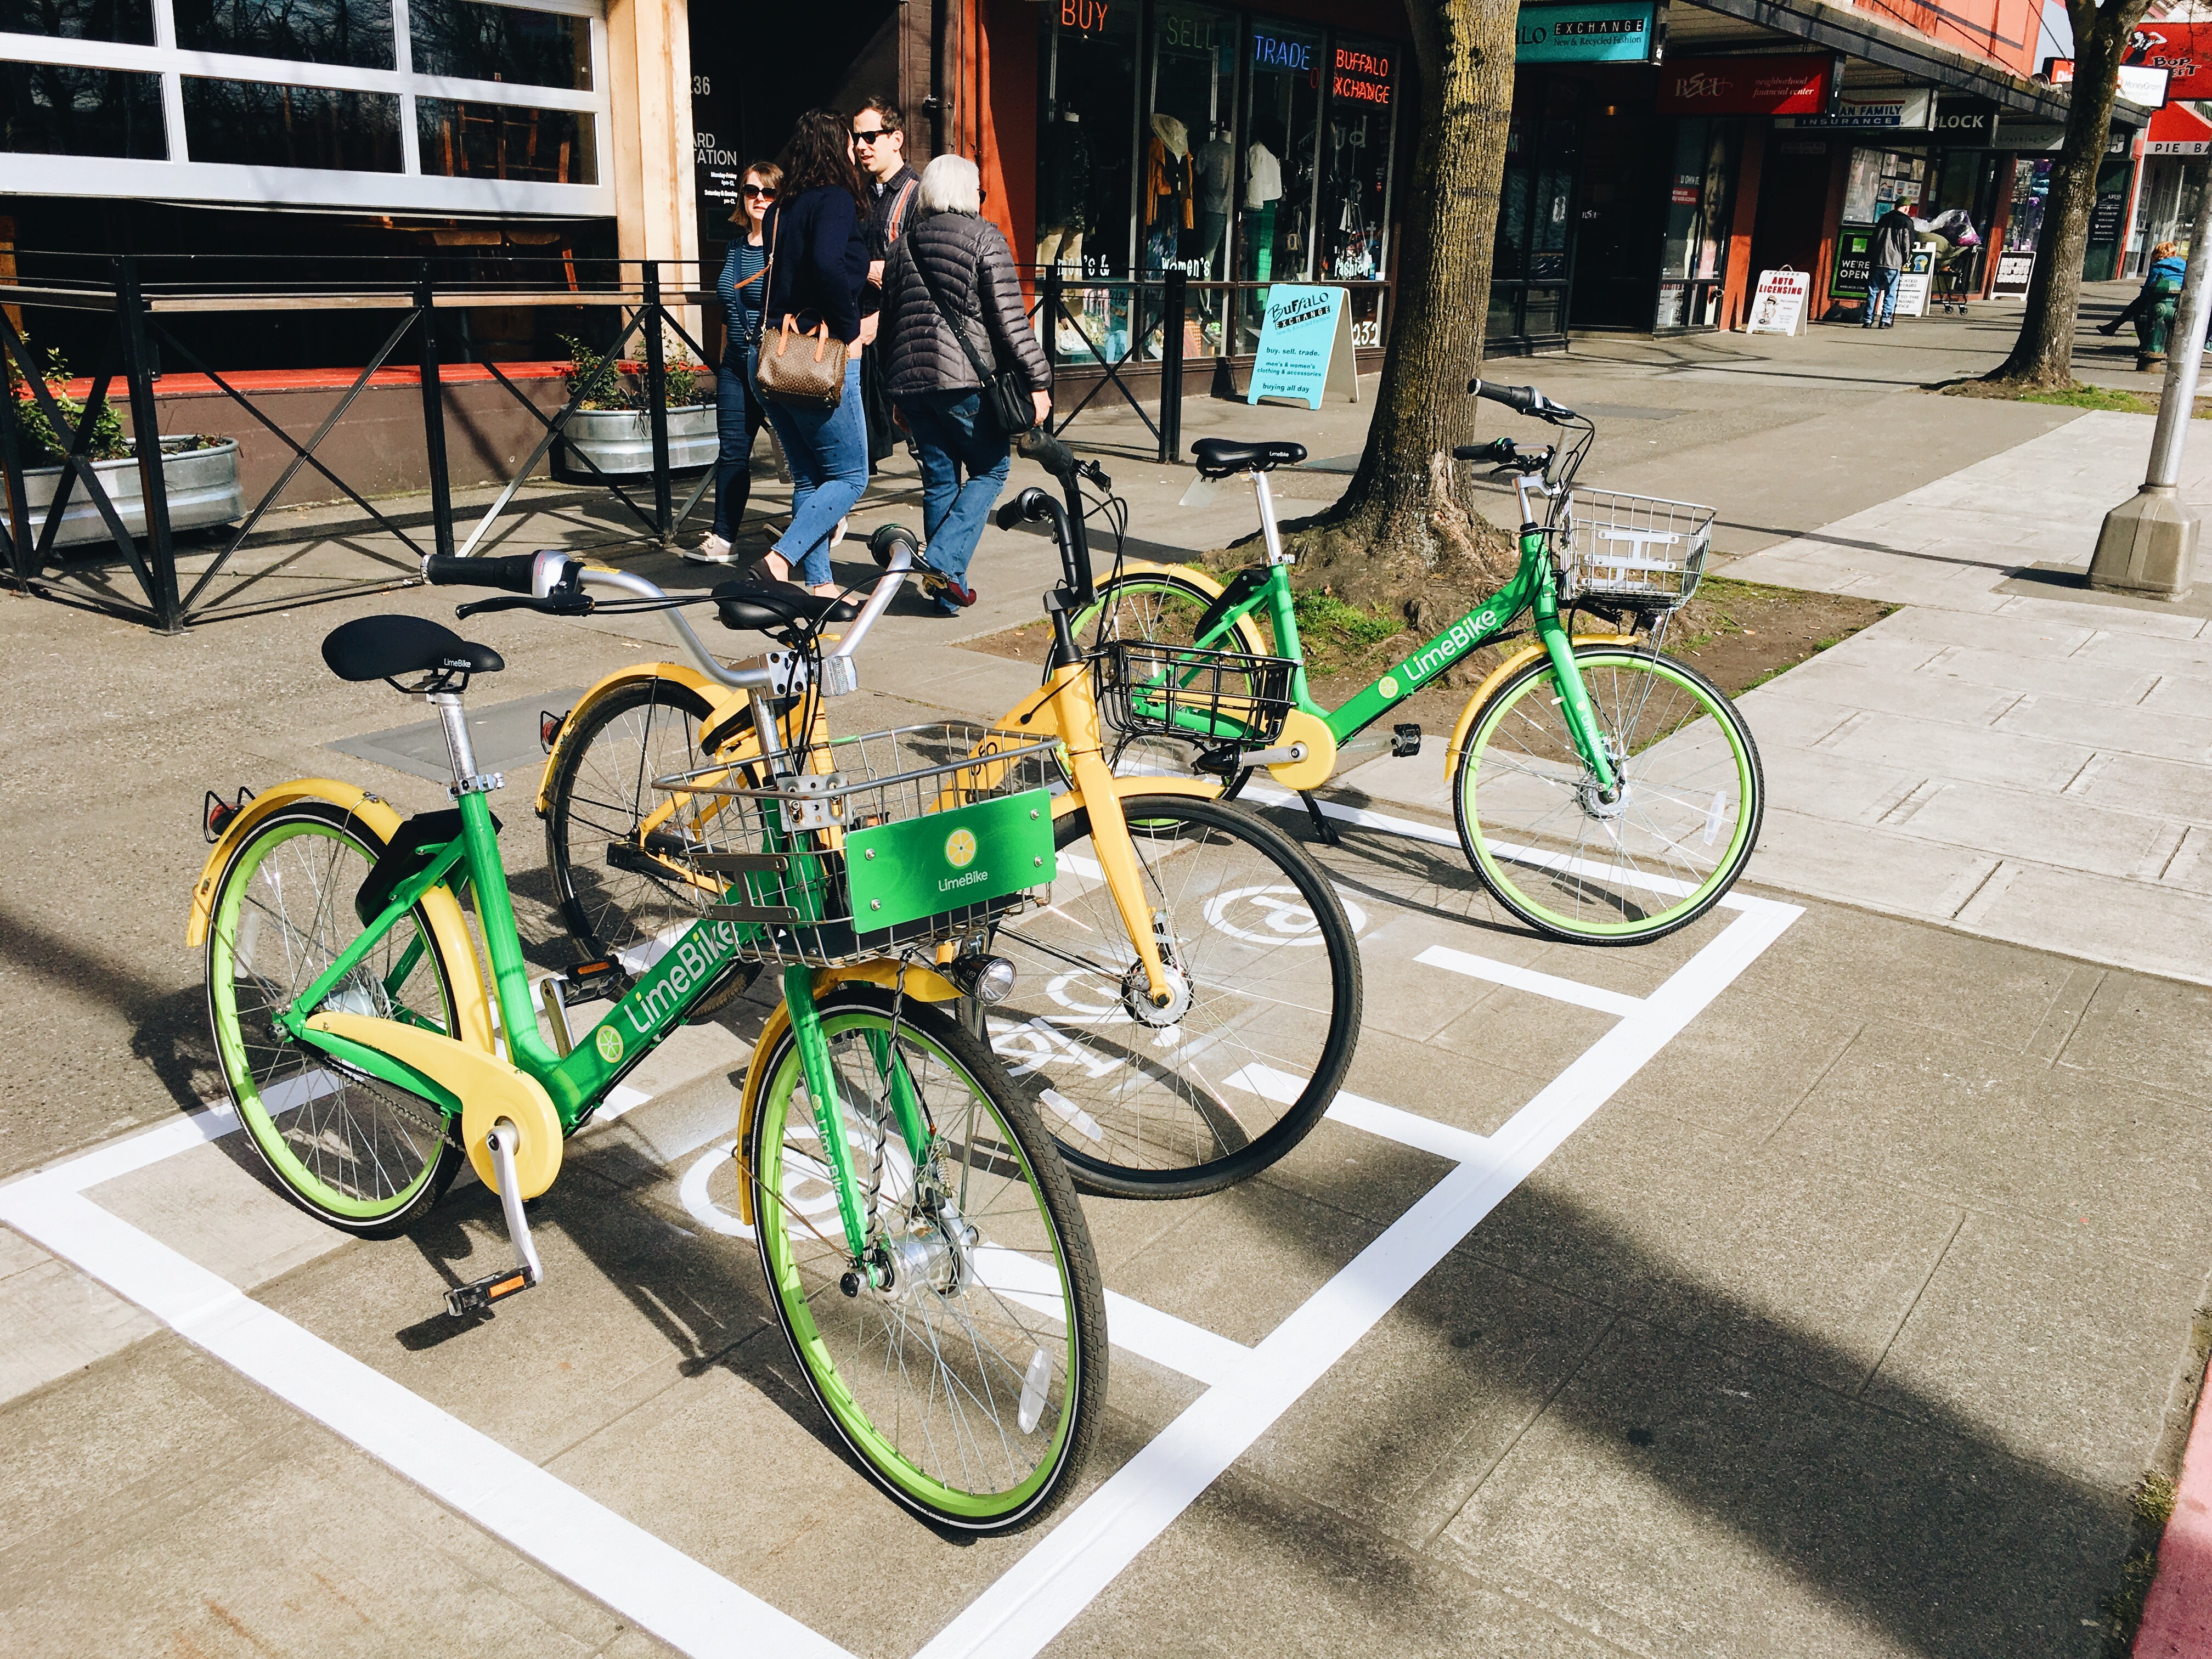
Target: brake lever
{"points": [[577, 604]]}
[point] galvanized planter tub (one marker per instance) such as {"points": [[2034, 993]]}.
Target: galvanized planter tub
{"points": [[619, 441], [202, 485]]}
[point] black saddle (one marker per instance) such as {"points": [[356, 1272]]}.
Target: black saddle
{"points": [[769, 606], [1220, 457], [384, 647]]}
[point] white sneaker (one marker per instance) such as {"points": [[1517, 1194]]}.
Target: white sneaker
{"points": [[714, 551], [838, 534]]}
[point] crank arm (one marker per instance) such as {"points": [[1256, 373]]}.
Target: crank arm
{"points": [[465, 1301]]}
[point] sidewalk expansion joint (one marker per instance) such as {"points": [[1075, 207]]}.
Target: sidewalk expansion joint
{"points": [[1905, 1318]]}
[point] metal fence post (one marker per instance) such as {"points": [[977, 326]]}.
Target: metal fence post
{"points": [[434, 417], [1174, 303], [656, 402], [146, 432], [1048, 313]]}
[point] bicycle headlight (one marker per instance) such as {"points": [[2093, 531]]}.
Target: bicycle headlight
{"points": [[987, 979]]}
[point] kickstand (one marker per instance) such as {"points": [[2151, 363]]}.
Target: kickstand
{"points": [[466, 1300], [1322, 827]]}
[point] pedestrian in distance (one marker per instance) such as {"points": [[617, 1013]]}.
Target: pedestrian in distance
{"points": [[740, 412], [2153, 308], [817, 244], [879, 151], [953, 271], [1890, 251]]}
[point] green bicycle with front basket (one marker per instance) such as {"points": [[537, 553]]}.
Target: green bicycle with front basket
{"points": [[1603, 792], [922, 1244]]}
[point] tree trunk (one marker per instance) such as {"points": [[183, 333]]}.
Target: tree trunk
{"points": [[2042, 359], [1405, 531]]}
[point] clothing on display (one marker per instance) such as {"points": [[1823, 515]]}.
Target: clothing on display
{"points": [[1263, 178], [1064, 195], [1168, 211]]}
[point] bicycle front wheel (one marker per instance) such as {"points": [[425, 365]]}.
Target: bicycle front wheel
{"points": [[1264, 977], [1660, 852], [359, 1153], [969, 1384]]}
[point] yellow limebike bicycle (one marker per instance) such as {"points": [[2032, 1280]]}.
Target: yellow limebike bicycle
{"points": [[1192, 957]]}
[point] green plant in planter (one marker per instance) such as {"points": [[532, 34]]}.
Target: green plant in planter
{"points": [[109, 442], [613, 384], [596, 374]]}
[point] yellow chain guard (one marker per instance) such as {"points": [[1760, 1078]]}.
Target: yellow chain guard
{"points": [[1319, 763]]}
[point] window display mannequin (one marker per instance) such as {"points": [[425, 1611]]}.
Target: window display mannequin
{"points": [[1263, 190], [1065, 193], [1167, 190], [1215, 165]]}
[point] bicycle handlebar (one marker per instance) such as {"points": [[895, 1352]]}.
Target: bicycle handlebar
{"points": [[512, 573], [1523, 400]]}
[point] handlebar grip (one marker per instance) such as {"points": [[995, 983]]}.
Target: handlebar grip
{"points": [[1526, 399], [1010, 514], [511, 572], [1048, 452]]}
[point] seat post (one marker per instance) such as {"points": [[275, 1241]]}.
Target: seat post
{"points": [[1274, 536], [459, 749]]}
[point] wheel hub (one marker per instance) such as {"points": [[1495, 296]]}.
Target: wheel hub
{"points": [[934, 1257], [1598, 803], [1137, 996]]}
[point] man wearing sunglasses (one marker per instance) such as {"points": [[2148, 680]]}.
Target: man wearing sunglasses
{"points": [[879, 151]]}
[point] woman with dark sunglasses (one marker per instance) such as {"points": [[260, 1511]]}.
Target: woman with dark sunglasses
{"points": [[738, 412]]}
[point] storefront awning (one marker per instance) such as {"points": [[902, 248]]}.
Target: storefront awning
{"points": [[1844, 29], [2178, 129]]}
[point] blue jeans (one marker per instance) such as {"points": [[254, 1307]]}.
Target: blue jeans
{"points": [[1882, 294], [738, 414], [955, 436], [827, 452]]}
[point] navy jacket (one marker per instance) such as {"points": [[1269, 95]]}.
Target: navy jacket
{"points": [[821, 261]]}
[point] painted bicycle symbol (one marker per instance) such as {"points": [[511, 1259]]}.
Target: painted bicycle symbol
{"points": [[1271, 916]]}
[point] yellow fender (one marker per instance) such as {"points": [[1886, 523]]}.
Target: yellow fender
{"points": [[1497, 678], [1202, 788], [1247, 629], [439, 906], [487, 1088], [720, 698], [921, 985]]}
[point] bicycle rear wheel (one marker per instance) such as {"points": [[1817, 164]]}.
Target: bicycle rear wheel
{"points": [[1568, 862], [1150, 1102], [969, 1386], [359, 1153]]}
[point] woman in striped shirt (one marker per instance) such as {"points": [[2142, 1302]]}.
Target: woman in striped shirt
{"points": [[739, 413]]}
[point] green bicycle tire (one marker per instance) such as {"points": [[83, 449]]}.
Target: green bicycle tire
{"points": [[894, 1405], [1537, 834], [362, 1156]]}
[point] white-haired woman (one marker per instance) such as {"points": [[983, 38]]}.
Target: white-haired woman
{"points": [[954, 260]]}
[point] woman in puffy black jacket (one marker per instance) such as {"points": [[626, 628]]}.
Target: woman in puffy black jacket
{"points": [[818, 258], [960, 256]]}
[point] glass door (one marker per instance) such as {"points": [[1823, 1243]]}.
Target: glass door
{"points": [[1694, 245]]}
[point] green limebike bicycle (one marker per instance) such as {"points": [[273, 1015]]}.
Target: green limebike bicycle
{"points": [[923, 1247], [1604, 793]]}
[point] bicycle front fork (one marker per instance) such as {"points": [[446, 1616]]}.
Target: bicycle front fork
{"points": [[1574, 696]]}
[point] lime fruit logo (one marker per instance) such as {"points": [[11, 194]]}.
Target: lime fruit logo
{"points": [[960, 848], [1388, 687], [609, 1043]]}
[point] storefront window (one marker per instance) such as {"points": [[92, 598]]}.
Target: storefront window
{"points": [[505, 141], [2031, 188], [1355, 163], [1088, 138], [1282, 127], [52, 109], [255, 123], [466, 41], [1535, 223], [1693, 242], [356, 32], [131, 20], [1189, 142]]}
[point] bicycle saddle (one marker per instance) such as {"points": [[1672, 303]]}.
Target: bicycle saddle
{"points": [[777, 604], [384, 647], [1220, 457]]}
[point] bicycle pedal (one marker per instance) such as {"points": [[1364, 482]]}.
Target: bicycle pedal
{"points": [[1405, 739], [469, 1300]]}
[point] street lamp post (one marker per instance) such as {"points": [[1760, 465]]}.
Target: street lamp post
{"points": [[2148, 543]]}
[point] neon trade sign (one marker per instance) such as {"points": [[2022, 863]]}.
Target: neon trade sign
{"points": [[1362, 76], [1280, 54]]}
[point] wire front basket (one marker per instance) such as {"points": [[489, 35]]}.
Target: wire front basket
{"points": [[869, 844], [1147, 689], [1635, 551]]}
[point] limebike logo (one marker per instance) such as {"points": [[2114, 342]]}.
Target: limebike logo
{"points": [[1439, 653], [694, 961]]}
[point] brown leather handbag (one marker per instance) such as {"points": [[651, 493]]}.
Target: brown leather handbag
{"points": [[803, 370]]}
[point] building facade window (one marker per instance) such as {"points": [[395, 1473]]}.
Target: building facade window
{"points": [[1535, 231], [440, 105], [53, 109], [1694, 239], [1355, 161]]}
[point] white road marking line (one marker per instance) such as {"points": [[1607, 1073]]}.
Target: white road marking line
{"points": [[611, 1558], [1167, 1341], [1527, 979], [1042, 1594], [1385, 1122]]}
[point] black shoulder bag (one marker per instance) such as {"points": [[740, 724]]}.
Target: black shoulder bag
{"points": [[1003, 395]]}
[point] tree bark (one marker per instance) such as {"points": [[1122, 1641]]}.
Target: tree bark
{"points": [[2042, 357], [1405, 533]]}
